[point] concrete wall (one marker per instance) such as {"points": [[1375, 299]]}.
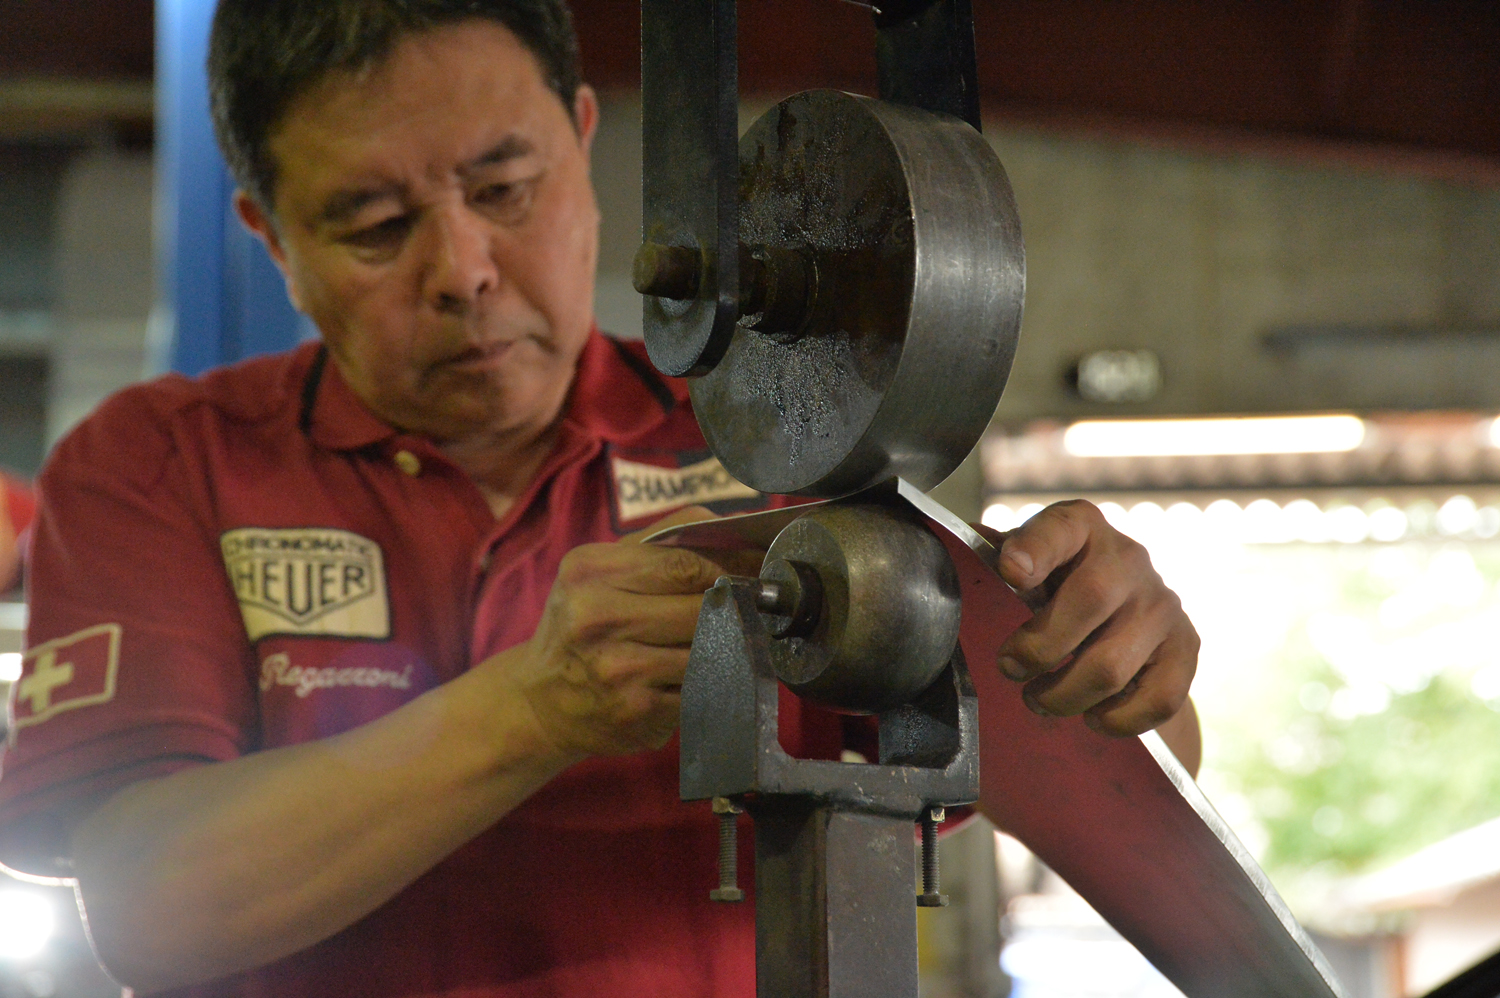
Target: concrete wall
{"points": [[1197, 258], [1193, 256], [103, 264]]}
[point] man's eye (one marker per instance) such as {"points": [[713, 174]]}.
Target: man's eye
{"points": [[509, 201], [382, 235]]}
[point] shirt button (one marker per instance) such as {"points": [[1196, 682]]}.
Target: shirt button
{"points": [[409, 463]]}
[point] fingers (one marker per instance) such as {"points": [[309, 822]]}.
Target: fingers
{"points": [[1129, 669], [1088, 572], [638, 568], [626, 666], [624, 699], [605, 666], [596, 615], [1156, 694], [1108, 638], [1047, 541]]}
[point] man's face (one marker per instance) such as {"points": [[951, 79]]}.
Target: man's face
{"points": [[434, 217]]}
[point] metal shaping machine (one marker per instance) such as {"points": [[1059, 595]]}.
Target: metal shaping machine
{"points": [[843, 286]]}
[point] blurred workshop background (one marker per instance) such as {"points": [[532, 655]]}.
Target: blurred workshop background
{"points": [[1262, 332]]}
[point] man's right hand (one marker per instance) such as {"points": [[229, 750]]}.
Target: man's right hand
{"points": [[603, 673]]}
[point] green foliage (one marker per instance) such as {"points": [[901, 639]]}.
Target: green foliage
{"points": [[1348, 769]]}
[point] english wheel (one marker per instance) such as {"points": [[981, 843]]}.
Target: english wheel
{"points": [[883, 276]]}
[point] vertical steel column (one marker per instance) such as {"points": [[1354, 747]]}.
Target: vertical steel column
{"points": [[924, 55], [835, 911]]}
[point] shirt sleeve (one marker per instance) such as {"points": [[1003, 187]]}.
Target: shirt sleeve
{"points": [[137, 662]]}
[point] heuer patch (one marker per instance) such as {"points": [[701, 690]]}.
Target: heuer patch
{"points": [[308, 581], [643, 490], [75, 671]]}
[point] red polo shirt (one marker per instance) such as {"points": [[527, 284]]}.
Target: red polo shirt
{"points": [[251, 560]]}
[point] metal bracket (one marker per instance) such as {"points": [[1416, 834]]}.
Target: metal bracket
{"points": [[924, 54], [688, 267], [834, 858], [730, 747]]}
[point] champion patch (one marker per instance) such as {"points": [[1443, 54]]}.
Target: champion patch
{"points": [[643, 490], [308, 582], [71, 672]]}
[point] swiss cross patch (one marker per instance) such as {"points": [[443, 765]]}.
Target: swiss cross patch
{"points": [[71, 672]]}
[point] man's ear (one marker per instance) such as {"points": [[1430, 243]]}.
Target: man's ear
{"points": [[254, 218], [586, 114]]}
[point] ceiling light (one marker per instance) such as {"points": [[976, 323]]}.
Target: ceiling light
{"points": [[1195, 437]]}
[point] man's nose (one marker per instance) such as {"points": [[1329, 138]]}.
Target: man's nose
{"points": [[462, 267]]}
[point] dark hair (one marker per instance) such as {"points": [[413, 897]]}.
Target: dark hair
{"points": [[263, 54]]}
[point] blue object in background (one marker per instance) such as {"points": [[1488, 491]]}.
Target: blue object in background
{"points": [[220, 298]]}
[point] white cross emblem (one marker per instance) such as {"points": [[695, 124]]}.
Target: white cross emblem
{"points": [[47, 676], [75, 671]]}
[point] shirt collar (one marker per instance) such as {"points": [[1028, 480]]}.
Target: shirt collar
{"points": [[616, 396], [335, 417]]}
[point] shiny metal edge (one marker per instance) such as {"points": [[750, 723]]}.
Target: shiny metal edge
{"points": [[1179, 777], [1206, 812], [730, 532]]}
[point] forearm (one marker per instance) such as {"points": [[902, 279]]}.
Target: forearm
{"points": [[232, 865]]}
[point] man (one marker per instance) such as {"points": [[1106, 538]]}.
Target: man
{"points": [[340, 681]]}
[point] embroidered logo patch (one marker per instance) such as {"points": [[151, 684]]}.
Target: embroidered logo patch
{"points": [[308, 581], [71, 672], [647, 489]]}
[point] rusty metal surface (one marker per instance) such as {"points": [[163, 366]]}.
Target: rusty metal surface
{"points": [[834, 856], [889, 609], [912, 278], [844, 888]]}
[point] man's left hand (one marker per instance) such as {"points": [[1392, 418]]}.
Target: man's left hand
{"points": [[1108, 639]]}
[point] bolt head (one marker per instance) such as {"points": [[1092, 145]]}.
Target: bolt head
{"points": [[667, 271]]}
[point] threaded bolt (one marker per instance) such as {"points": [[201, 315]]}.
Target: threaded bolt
{"points": [[931, 896], [668, 271], [729, 851]]}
